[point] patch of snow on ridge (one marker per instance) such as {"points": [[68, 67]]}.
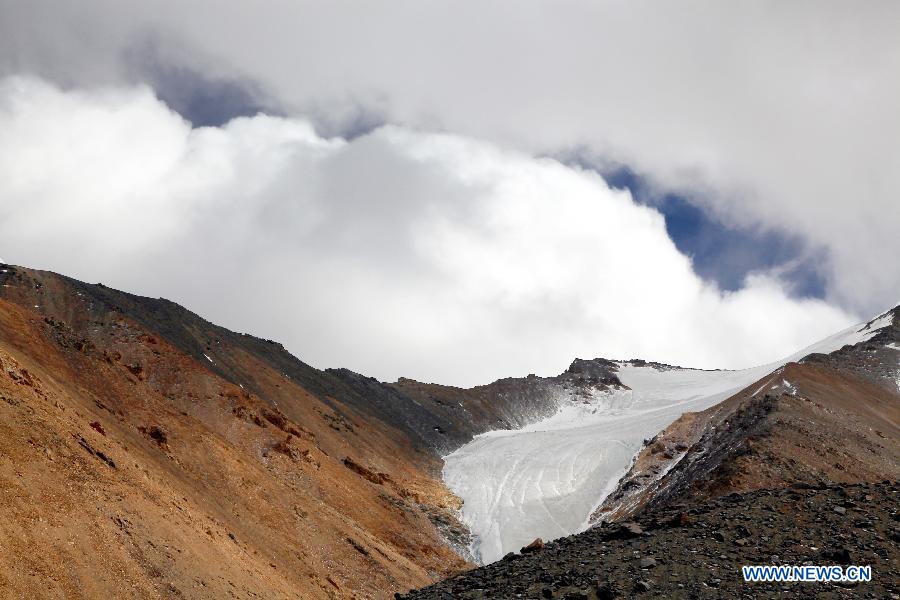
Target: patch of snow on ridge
{"points": [[545, 479], [850, 336]]}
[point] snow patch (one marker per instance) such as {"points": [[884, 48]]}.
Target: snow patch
{"points": [[880, 322], [850, 336], [759, 389], [789, 387]]}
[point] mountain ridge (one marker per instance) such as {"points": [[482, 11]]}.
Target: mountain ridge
{"points": [[204, 463], [200, 462]]}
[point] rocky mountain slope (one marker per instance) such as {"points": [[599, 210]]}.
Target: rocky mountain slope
{"points": [[546, 479], [784, 471], [698, 551], [145, 452], [827, 417], [159, 455]]}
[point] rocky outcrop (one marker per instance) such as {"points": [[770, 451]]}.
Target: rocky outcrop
{"points": [[507, 403]]}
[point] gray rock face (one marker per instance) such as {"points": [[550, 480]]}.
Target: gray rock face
{"points": [[598, 371], [460, 414]]}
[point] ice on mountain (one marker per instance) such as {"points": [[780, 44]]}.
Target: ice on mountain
{"points": [[545, 479]]}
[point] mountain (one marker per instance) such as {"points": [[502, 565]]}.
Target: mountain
{"points": [[545, 479], [789, 463], [147, 449], [145, 452], [832, 414]]}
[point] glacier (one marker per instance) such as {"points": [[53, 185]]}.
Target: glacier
{"points": [[545, 479]]}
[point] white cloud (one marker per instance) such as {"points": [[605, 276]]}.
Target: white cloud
{"points": [[785, 113], [433, 256]]}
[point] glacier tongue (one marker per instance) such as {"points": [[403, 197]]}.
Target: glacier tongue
{"points": [[545, 479]]}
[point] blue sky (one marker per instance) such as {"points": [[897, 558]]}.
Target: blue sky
{"points": [[723, 253]]}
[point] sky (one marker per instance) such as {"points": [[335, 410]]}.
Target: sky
{"points": [[461, 192]]}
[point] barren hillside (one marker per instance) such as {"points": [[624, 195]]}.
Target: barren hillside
{"points": [[147, 453]]}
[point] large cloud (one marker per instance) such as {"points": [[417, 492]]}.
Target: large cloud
{"points": [[398, 253], [768, 113]]}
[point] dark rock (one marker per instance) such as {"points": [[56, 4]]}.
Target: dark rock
{"points": [[642, 586], [625, 531], [614, 559], [839, 555], [680, 520], [605, 592]]}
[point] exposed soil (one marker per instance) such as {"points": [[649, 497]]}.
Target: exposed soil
{"points": [[147, 453], [697, 552]]}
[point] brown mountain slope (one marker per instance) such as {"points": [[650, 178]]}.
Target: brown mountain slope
{"points": [[131, 465], [827, 418], [145, 452]]}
